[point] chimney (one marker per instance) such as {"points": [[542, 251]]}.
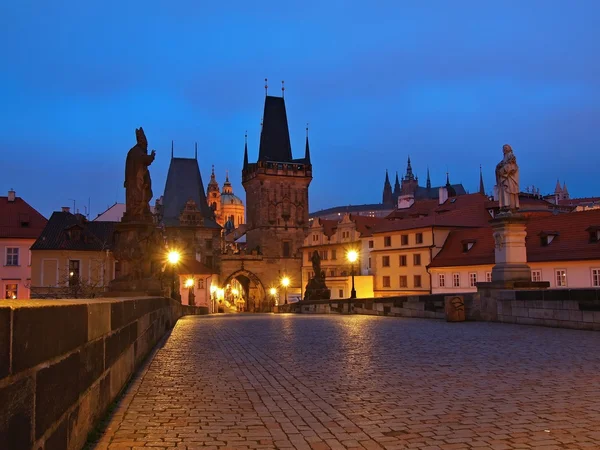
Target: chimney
{"points": [[443, 195], [405, 201], [66, 209], [11, 195]]}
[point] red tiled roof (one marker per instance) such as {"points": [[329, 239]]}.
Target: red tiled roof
{"points": [[571, 244], [328, 225], [578, 201], [461, 211], [365, 224], [14, 214], [192, 266]]}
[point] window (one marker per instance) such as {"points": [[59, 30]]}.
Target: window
{"points": [[309, 256], [12, 256], [596, 277], [404, 239], [369, 262], [403, 281], [370, 244], [341, 293], [472, 279], [417, 281], [286, 249], [417, 259], [11, 291], [456, 279], [419, 238], [332, 273], [74, 272], [441, 280], [333, 254], [200, 283], [324, 255], [386, 281], [536, 275], [315, 237], [488, 277], [387, 241], [385, 261], [402, 260], [561, 277]]}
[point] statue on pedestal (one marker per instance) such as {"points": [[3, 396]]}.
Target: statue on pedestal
{"points": [[138, 186], [507, 180], [316, 289]]}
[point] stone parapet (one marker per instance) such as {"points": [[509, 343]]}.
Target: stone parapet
{"points": [[62, 362]]}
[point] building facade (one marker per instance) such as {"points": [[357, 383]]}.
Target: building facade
{"points": [[276, 188], [72, 257], [563, 250], [20, 226], [227, 207]]}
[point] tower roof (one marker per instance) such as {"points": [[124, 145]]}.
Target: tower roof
{"points": [[184, 183], [409, 172], [481, 188], [307, 149], [275, 136]]}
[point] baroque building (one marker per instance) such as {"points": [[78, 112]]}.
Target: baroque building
{"points": [[276, 188], [227, 207]]}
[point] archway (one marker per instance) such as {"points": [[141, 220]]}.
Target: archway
{"points": [[253, 291]]}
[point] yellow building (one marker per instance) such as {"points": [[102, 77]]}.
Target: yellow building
{"points": [[226, 205], [72, 258], [332, 240]]}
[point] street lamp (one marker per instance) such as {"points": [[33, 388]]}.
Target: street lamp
{"points": [[273, 293], [352, 257], [285, 282], [173, 257], [189, 283], [213, 297]]}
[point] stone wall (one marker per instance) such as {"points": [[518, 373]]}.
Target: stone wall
{"points": [[62, 362]]}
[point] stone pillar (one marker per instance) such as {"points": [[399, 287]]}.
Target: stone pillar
{"points": [[510, 251]]}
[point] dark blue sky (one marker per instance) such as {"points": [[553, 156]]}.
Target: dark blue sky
{"points": [[448, 82]]}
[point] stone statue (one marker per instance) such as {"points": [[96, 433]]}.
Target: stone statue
{"points": [[138, 186], [316, 289], [316, 263], [507, 180]]}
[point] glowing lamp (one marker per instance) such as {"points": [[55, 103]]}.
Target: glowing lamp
{"points": [[273, 291], [352, 256], [285, 281], [189, 282], [173, 257]]}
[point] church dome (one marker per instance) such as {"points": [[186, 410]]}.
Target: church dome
{"points": [[231, 199]]}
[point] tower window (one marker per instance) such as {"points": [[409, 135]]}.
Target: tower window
{"points": [[286, 249]]}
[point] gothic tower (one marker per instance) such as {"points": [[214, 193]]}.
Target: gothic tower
{"points": [[388, 195], [214, 197], [276, 189]]}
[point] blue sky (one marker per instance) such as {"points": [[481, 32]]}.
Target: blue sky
{"points": [[446, 82]]}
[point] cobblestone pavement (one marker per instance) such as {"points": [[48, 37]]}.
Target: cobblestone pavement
{"points": [[319, 382]]}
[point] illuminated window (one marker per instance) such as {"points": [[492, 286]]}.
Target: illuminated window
{"points": [[536, 275], [596, 277], [561, 277], [74, 273], [456, 279], [11, 291], [441, 280], [472, 279]]}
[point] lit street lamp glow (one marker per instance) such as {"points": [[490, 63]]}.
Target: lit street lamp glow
{"points": [[285, 281], [273, 291], [352, 256], [173, 257], [189, 282]]}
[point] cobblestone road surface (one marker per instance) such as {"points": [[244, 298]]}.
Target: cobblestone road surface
{"points": [[319, 382]]}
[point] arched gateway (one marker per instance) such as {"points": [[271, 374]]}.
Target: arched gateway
{"points": [[253, 291]]}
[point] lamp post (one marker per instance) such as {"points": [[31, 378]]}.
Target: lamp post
{"points": [[273, 293], [352, 257], [285, 282], [189, 283], [173, 257]]}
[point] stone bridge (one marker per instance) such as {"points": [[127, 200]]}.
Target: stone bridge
{"points": [[306, 381]]}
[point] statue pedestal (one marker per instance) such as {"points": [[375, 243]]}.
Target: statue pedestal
{"points": [[510, 252], [138, 246]]}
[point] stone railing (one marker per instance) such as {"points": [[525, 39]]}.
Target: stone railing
{"points": [[563, 308], [62, 362]]}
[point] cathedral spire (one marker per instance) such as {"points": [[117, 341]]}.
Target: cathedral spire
{"points": [[557, 189], [388, 196], [409, 172], [447, 179], [172, 148], [481, 188], [246, 151], [307, 149], [428, 179], [195, 150], [397, 187]]}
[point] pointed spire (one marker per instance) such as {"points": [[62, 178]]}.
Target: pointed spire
{"points": [[388, 196], [266, 88], [172, 148], [227, 176], [428, 179], [481, 188], [557, 189], [246, 150], [447, 179], [307, 149], [282, 88], [409, 172], [212, 174], [227, 189], [397, 187], [195, 150], [387, 179]]}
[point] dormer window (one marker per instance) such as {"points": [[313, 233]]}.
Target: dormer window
{"points": [[546, 237], [594, 232], [467, 245]]}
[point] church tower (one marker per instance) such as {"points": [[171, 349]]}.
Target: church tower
{"points": [[276, 188], [388, 195], [213, 195]]}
